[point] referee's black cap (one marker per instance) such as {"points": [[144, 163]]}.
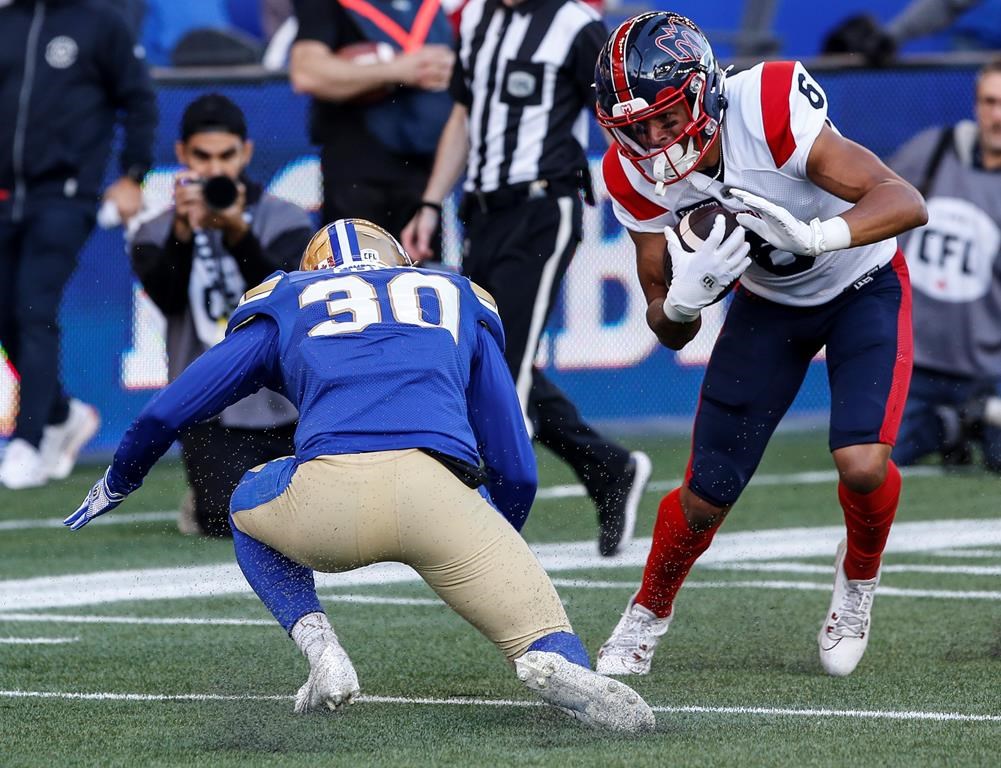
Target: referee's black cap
{"points": [[213, 112]]}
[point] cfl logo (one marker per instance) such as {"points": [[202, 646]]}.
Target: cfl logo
{"points": [[708, 282]]}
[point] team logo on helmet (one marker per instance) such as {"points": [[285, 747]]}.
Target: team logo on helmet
{"points": [[353, 244], [681, 43]]}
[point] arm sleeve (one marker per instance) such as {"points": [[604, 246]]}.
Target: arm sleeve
{"points": [[164, 271], [504, 444], [317, 21], [458, 88], [586, 48], [238, 366], [131, 92]]}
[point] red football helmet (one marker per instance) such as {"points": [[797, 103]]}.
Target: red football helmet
{"points": [[659, 93]]}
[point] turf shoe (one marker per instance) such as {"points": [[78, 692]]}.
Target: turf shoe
{"points": [[595, 700], [332, 682], [61, 443], [22, 466], [617, 507], [629, 650], [845, 631]]}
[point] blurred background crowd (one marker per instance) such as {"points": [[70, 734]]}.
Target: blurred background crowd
{"points": [[157, 97]]}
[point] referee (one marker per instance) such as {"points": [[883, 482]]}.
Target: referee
{"points": [[521, 83]]}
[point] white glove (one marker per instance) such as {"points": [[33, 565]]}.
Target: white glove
{"points": [[700, 275], [101, 499], [787, 233]]}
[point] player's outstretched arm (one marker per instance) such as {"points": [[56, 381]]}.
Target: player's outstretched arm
{"points": [[241, 364]]}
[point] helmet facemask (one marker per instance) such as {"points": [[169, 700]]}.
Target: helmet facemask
{"points": [[660, 94]]}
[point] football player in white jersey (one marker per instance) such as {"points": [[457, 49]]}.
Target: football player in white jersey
{"points": [[818, 265]]}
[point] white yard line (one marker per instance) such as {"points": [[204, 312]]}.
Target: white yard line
{"points": [[471, 702], [803, 586], [787, 567], [551, 492], [65, 618], [226, 579], [38, 640], [126, 518]]}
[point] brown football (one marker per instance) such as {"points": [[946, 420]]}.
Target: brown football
{"points": [[694, 227], [366, 53]]}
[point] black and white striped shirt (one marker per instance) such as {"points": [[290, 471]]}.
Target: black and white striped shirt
{"points": [[526, 74]]}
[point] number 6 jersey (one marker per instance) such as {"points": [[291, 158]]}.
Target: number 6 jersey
{"points": [[775, 111]]}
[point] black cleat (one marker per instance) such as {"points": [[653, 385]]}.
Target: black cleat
{"points": [[617, 508]]}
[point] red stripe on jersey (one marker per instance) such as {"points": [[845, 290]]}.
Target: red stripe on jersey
{"points": [[905, 357], [618, 63], [776, 83], [623, 192]]}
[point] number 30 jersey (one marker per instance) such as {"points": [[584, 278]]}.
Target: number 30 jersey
{"points": [[775, 111], [375, 359], [378, 359]]}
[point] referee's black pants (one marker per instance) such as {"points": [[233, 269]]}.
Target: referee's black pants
{"points": [[520, 254]]}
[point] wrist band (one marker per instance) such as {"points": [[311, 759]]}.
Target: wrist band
{"points": [[677, 316], [429, 204]]}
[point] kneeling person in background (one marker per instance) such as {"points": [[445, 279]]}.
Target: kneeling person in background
{"points": [[222, 235], [401, 385]]}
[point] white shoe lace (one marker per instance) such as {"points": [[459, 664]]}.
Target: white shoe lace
{"points": [[852, 617], [633, 636]]}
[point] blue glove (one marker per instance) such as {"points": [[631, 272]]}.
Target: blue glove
{"points": [[101, 499]]}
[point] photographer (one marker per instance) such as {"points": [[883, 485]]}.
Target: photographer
{"points": [[195, 260]]}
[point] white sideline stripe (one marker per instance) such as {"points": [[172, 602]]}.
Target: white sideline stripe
{"points": [[126, 518], [793, 478], [462, 701], [63, 618], [226, 579], [780, 567], [806, 586], [552, 492], [38, 640], [336, 597], [970, 553], [59, 618]]}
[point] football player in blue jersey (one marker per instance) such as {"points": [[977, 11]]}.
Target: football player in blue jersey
{"points": [[402, 389]]}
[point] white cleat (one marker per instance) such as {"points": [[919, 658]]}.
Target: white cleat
{"points": [[845, 631], [332, 683], [22, 466], [629, 651], [61, 443], [595, 700]]}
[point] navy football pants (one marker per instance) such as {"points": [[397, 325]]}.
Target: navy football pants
{"points": [[761, 358], [37, 257]]}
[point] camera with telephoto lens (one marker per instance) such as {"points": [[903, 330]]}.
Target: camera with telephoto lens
{"points": [[219, 192]]}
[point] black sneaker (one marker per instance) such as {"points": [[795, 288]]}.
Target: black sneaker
{"points": [[617, 508]]}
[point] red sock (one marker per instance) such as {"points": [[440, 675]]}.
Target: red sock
{"points": [[675, 548], [868, 517]]}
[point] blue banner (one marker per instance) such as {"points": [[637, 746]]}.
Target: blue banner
{"points": [[597, 348]]}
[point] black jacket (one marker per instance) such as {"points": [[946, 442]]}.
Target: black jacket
{"points": [[67, 68]]}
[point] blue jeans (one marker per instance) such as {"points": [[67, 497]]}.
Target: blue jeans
{"points": [[37, 257], [922, 431]]}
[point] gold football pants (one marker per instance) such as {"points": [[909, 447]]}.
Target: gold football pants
{"points": [[344, 512]]}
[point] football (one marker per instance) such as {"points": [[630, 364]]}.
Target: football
{"points": [[367, 53], [694, 227]]}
